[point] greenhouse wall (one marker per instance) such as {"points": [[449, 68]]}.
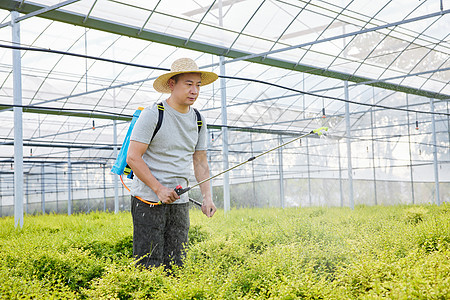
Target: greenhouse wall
{"points": [[324, 192]]}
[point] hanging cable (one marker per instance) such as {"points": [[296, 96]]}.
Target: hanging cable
{"points": [[323, 109], [417, 123]]}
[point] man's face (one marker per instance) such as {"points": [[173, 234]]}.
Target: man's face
{"points": [[185, 91]]}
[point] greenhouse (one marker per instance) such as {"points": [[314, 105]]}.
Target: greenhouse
{"points": [[376, 74]]}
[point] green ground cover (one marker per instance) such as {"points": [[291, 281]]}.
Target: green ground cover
{"points": [[397, 252]]}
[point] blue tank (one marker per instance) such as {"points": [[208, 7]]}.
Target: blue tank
{"points": [[121, 161]]}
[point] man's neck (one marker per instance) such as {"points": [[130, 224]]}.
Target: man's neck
{"points": [[178, 107]]}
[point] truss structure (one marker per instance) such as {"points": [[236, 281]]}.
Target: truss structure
{"points": [[376, 72]]}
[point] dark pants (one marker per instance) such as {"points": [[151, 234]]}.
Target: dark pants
{"points": [[160, 233]]}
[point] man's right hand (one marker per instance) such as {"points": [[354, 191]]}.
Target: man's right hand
{"points": [[166, 195]]}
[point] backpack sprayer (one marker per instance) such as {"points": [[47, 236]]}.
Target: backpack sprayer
{"points": [[121, 167]]}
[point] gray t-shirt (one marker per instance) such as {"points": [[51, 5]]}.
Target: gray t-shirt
{"points": [[169, 154]]}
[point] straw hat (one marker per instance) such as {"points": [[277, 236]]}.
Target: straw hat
{"points": [[182, 65]]}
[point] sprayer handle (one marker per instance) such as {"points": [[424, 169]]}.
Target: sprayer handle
{"points": [[180, 191]]}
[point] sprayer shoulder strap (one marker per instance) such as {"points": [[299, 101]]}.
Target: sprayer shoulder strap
{"points": [[199, 120], [160, 107]]}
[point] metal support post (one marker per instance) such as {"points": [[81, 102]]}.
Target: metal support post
{"points": [[115, 178], [18, 123], [280, 167], [116, 181], [87, 190], [1, 198], [43, 188], [26, 180], [69, 183], [56, 188], [410, 152], [223, 93], [306, 141], [435, 160], [104, 187], [349, 147], [253, 173], [341, 189], [448, 126], [309, 172], [208, 154], [372, 125], [226, 176]]}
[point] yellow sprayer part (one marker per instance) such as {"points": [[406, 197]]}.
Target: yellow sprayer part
{"points": [[319, 130]]}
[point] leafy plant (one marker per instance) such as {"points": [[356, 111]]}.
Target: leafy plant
{"points": [[395, 252], [415, 214]]}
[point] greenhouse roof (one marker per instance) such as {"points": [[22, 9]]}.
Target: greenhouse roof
{"points": [[87, 62]]}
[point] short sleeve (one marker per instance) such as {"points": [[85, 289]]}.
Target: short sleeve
{"points": [[145, 126]]}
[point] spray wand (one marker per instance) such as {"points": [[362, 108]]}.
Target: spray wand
{"points": [[180, 190]]}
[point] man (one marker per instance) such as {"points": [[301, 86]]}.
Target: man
{"points": [[160, 232]]}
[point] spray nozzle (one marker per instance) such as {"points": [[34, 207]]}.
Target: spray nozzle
{"points": [[320, 130]]}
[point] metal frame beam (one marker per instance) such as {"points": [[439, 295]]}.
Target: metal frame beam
{"points": [[39, 12], [74, 113], [128, 118]]}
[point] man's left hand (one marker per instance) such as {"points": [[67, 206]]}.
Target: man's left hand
{"points": [[208, 208]]}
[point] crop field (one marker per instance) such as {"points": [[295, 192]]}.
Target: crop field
{"points": [[395, 252]]}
